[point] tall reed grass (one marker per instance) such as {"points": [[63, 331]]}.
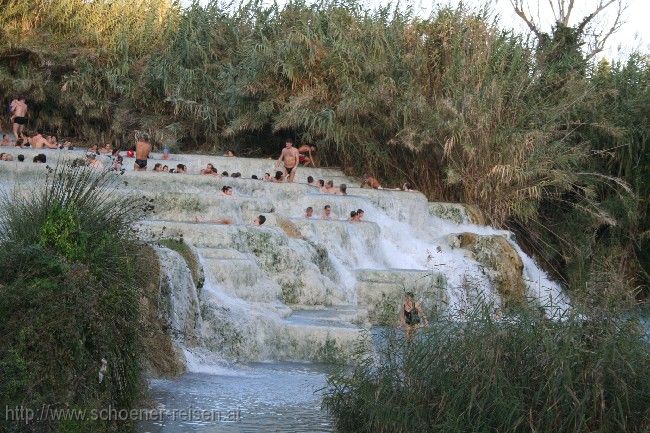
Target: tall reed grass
{"points": [[521, 372]]}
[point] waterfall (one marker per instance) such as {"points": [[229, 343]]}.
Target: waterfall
{"points": [[304, 289]]}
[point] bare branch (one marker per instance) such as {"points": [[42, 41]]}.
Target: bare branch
{"points": [[552, 4], [599, 39], [565, 21], [586, 20], [518, 6]]}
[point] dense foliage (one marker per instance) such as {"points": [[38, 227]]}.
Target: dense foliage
{"points": [[546, 143], [69, 296], [519, 373]]}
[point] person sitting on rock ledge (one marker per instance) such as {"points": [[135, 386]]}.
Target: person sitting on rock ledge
{"points": [[327, 212], [93, 162], [106, 149], [210, 170], [371, 182], [309, 212], [407, 187], [329, 188], [39, 142], [307, 159]]}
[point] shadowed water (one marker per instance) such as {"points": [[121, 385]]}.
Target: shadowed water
{"points": [[260, 397]]}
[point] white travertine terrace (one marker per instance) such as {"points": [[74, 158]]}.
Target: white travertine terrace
{"points": [[293, 289]]}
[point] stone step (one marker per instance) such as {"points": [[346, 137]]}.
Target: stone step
{"points": [[194, 163], [344, 316]]}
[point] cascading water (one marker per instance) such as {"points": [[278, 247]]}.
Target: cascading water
{"points": [[301, 289]]}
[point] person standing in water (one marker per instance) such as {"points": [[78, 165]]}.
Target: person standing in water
{"points": [[412, 315], [289, 157], [142, 151]]}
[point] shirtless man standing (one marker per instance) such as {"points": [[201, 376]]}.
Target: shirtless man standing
{"points": [[142, 151], [18, 116], [289, 156]]}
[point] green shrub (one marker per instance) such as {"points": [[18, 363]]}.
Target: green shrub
{"points": [[69, 296], [520, 373]]}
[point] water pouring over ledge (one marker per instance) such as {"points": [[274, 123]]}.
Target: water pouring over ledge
{"points": [[298, 289]]}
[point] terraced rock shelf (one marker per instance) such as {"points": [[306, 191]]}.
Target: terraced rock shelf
{"points": [[302, 289]]}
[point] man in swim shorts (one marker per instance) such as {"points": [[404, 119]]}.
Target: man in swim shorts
{"points": [[18, 109], [142, 151], [289, 157]]}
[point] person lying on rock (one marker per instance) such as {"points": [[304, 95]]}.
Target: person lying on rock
{"points": [[371, 182], [225, 221]]}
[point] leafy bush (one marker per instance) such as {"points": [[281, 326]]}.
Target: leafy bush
{"points": [[69, 296], [521, 372]]}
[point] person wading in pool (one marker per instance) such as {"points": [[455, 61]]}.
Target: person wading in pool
{"points": [[411, 316], [289, 157]]}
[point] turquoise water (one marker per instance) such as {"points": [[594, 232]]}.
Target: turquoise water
{"points": [[261, 397]]}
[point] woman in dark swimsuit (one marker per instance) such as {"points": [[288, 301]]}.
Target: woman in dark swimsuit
{"points": [[411, 315]]}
